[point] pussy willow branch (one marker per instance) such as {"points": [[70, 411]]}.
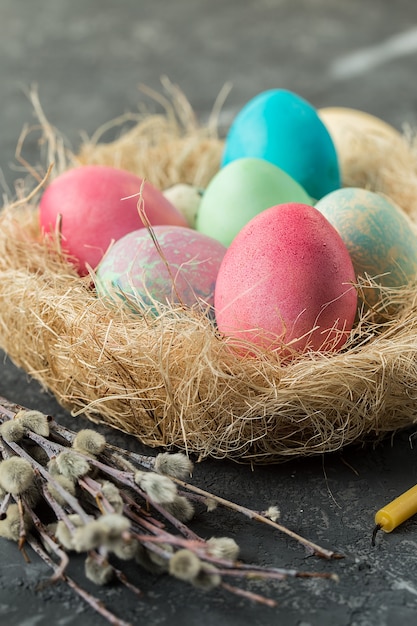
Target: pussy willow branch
{"points": [[126, 478], [148, 462], [120, 467], [96, 605], [316, 549]]}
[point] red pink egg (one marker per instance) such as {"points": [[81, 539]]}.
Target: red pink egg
{"points": [[286, 283], [93, 205]]}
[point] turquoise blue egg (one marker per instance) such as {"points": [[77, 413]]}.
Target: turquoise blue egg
{"points": [[283, 128]]}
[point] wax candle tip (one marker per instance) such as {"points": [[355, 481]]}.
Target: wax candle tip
{"points": [[374, 532]]}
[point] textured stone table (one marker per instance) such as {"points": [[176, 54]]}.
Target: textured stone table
{"points": [[88, 60]]}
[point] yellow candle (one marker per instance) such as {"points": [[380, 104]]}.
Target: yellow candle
{"points": [[397, 511]]}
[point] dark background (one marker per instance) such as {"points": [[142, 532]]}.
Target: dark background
{"points": [[88, 59]]}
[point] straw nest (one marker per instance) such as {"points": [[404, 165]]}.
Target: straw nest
{"points": [[173, 381]]}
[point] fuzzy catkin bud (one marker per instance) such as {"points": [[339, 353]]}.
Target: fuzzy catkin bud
{"points": [[66, 483], [159, 488], [34, 420], [124, 549], [16, 475], [211, 504], [184, 565], [12, 430], [51, 528], [207, 578], [114, 525], [223, 548], [112, 495], [181, 508], [177, 465], [53, 468], [64, 535], [99, 572], [10, 525], [89, 442], [103, 531], [273, 513], [89, 537], [70, 464]]}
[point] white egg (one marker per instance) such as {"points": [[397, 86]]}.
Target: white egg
{"points": [[186, 199]]}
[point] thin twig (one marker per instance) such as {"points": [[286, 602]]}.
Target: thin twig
{"points": [[63, 557], [96, 604], [249, 595], [310, 545], [4, 505]]}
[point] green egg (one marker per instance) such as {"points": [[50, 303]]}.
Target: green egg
{"points": [[241, 190], [380, 237]]}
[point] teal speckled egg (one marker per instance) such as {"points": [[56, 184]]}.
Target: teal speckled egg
{"points": [[381, 239]]}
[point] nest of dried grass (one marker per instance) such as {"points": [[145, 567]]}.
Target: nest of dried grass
{"points": [[172, 381]]}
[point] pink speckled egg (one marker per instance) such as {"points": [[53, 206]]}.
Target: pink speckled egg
{"points": [[96, 204], [286, 283], [182, 269]]}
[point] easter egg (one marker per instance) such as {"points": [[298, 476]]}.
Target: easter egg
{"points": [[239, 191], [380, 237], [372, 154], [93, 205], [286, 283], [186, 198], [342, 121], [283, 128], [181, 269]]}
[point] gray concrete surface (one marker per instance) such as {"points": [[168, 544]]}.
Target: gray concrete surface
{"points": [[88, 58]]}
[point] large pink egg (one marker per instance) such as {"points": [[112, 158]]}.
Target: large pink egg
{"points": [[182, 268], [93, 205], [287, 279]]}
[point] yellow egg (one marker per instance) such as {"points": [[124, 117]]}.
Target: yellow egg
{"points": [[342, 122], [373, 155]]}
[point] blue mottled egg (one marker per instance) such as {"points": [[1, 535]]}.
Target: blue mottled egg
{"points": [[176, 265]]}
